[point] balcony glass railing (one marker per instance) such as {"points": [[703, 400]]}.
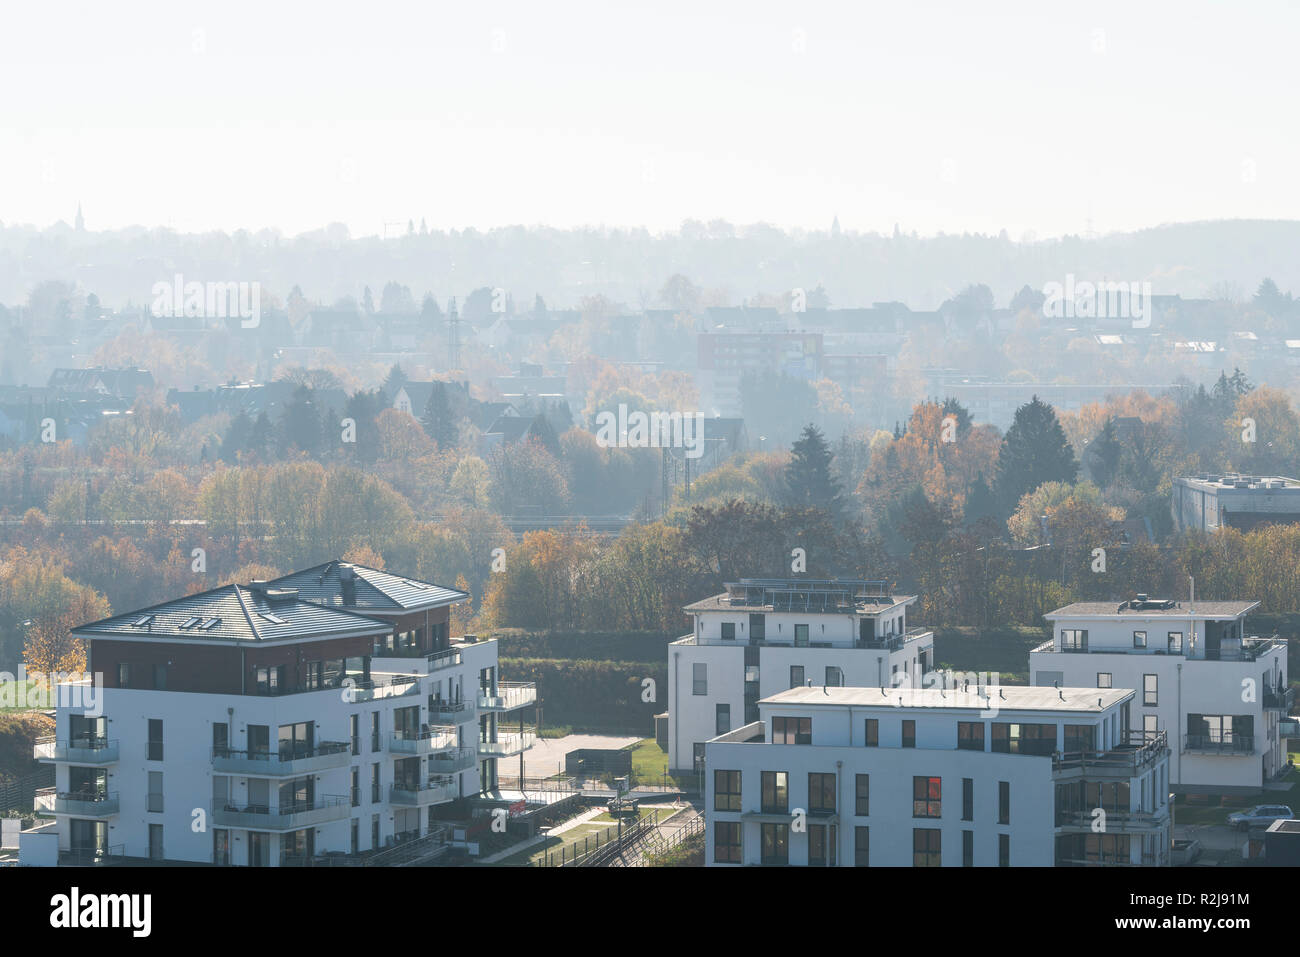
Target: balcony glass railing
{"points": [[287, 761], [437, 790], [508, 743], [76, 750], [92, 803], [426, 741], [452, 760], [286, 817], [508, 696]]}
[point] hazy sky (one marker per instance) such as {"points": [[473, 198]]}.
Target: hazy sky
{"points": [[938, 116]]}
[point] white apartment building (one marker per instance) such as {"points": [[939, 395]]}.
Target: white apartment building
{"points": [[885, 777], [763, 636], [1218, 693], [327, 712]]}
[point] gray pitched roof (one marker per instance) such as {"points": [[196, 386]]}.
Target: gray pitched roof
{"points": [[234, 613], [376, 591]]}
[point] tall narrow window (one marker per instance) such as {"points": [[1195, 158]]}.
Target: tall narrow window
{"points": [[1150, 690], [699, 678], [871, 733], [909, 734], [796, 676], [862, 795], [155, 739], [968, 799], [1004, 802]]}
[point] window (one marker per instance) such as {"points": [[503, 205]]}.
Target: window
{"points": [[1074, 639], [160, 677], [727, 842], [862, 847], [268, 680], [821, 845], [699, 678], [926, 843], [821, 792], [1103, 679], [862, 795], [757, 627], [791, 730], [728, 631], [926, 797], [970, 735], [967, 848], [356, 733], [1004, 850], [1150, 727], [1080, 738], [1150, 690], [221, 847], [123, 675], [220, 739], [726, 790], [356, 787], [871, 733], [775, 792], [1004, 802], [909, 734], [356, 836], [1024, 738], [801, 636], [155, 739], [156, 852], [834, 677], [374, 731], [776, 844], [722, 718], [1175, 646], [796, 676], [374, 831], [374, 783], [154, 801], [1139, 639], [968, 799]]}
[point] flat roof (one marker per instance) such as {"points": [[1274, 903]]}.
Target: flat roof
{"points": [[1180, 609], [1003, 697], [1229, 481], [725, 602]]}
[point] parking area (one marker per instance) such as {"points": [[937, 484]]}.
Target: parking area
{"points": [[546, 757]]}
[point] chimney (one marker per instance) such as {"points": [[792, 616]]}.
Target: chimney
{"points": [[348, 584]]}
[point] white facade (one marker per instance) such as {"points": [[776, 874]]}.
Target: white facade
{"points": [[1196, 676], [886, 778], [422, 734], [717, 674]]}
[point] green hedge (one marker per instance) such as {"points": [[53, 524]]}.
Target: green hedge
{"points": [[649, 646], [589, 695]]}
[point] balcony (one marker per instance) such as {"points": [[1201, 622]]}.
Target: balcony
{"points": [[447, 658], [286, 763], [428, 741], [288, 818], [374, 690], [508, 696], [437, 790], [96, 751], [452, 760], [1229, 744], [94, 804], [1124, 761], [508, 743], [452, 712], [1279, 699], [1115, 821]]}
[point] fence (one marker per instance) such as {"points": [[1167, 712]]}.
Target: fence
{"points": [[690, 832], [20, 794]]}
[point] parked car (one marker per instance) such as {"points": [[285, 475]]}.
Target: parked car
{"points": [[1261, 815], [1185, 852]]}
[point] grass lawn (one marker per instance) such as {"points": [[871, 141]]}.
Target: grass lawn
{"points": [[649, 762], [571, 842], [24, 691]]}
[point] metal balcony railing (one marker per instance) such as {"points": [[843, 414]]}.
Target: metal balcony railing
{"points": [[1230, 744], [286, 817], [284, 762], [426, 741], [92, 803]]}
